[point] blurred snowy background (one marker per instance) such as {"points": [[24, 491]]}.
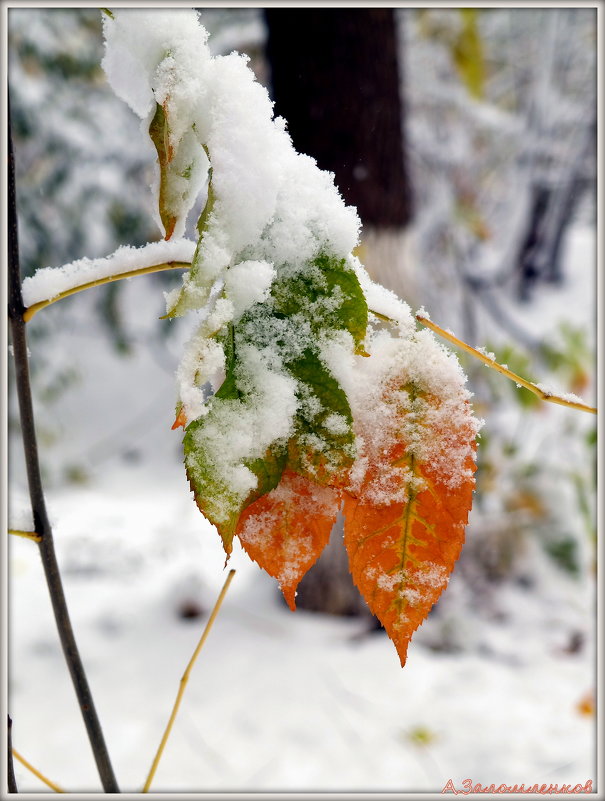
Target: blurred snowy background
{"points": [[500, 124]]}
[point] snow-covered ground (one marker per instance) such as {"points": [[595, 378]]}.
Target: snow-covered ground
{"points": [[278, 701]]}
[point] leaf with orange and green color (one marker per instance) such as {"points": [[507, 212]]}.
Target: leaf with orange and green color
{"points": [[401, 553], [286, 530], [214, 495]]}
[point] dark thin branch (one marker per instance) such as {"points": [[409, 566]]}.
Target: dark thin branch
{"points": [[36, 493], [12, 782]]}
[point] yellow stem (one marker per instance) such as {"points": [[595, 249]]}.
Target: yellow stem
{"points": [[29, 535], [37, 773], [156, 268], [546, 396], [185, 679]]}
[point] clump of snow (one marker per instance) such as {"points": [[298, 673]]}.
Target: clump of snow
{"points": [[203, 359], [160, 57], [20, 516], [49, 282], [248, 283], [270, 202], [550, 392], [488, 354], [383, 302]]}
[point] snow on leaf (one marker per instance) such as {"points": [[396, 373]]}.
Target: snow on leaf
{"points": [[178, 303], [237, 449], [182, 163], [328, 293], [219, 499], [322, 449], [401, 553], [228, 388], [286, 530], [213, 494]]}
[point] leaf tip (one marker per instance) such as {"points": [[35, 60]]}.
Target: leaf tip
{"points": [[289, 593], [181, 420], [402, 652]]}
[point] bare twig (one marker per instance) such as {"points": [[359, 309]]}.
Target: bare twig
{"points": [[185, 679], [41, 523], [490, 362], [12, 782], [36, 772]]}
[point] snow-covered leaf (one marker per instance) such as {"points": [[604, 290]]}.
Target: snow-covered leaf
{"points": [[286, 530], [327, 292], [178, 305], [323, 446], [401, 553]]}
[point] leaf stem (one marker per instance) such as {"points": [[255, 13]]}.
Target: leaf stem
{"points": [[543, 394], [185, 679], [28, 535], [156, 268], [36, 772], [38, 504]]}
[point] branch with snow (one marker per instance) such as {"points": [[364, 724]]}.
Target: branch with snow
{"points": [[52, 283]]}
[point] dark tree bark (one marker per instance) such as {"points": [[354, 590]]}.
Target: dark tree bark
{"points": [[335, 78]]}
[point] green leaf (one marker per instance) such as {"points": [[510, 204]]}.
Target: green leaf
{"points": [[328, 294], [564, 552], [268, 472], [325, 296], [202, 223], [228, 389], [467, 54], [214, 496], [323, 447]]}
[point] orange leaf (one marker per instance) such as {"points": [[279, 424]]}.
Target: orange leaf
{"points": [[286, 530], [181, 419], [586, 705], [401, 553]]}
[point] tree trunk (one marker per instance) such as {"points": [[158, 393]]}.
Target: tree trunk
{"points": [[335, 78]]}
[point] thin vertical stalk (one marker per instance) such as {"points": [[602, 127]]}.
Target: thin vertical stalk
{"points": [[41, 523], [12, 782]]}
